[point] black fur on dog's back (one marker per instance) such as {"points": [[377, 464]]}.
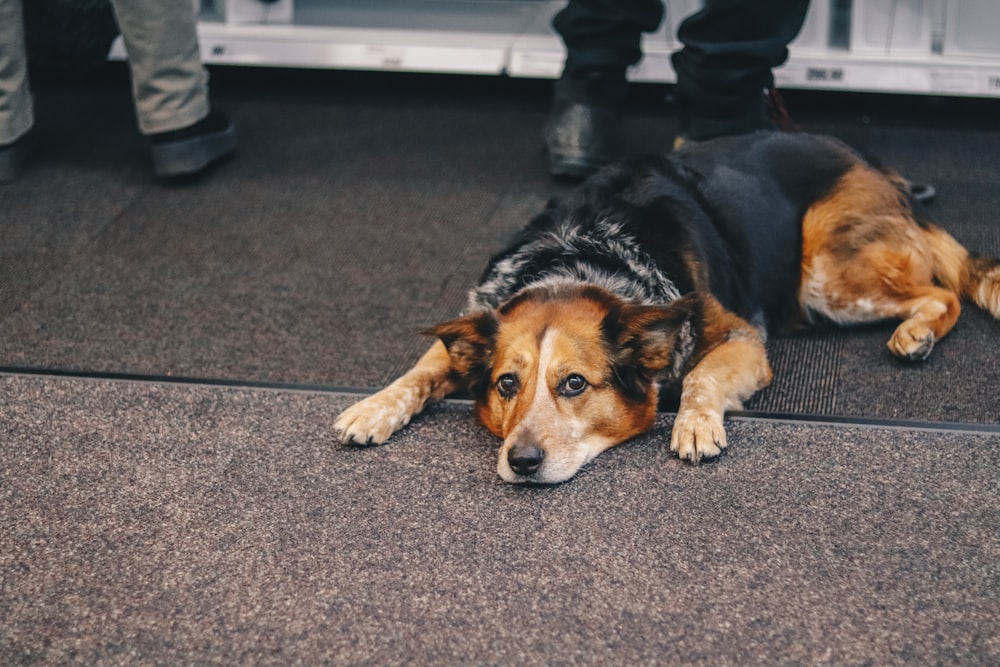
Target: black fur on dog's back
{"points": [[755, 190], [723, 217]]}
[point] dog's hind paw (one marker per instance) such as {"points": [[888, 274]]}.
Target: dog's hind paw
{"points": [[912, 341], [373, 420], [698, 435]]}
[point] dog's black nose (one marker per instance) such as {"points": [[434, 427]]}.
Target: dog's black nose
{"points": [[525, 459]]}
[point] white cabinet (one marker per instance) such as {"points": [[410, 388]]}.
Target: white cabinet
{"points": [[949, 47]]}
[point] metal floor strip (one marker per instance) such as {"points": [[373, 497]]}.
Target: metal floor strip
{"points": [[791, 418]]}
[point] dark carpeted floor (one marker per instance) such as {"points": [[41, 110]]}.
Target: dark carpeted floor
{"points": [[361, 207], [165, 522], [148, 523]]}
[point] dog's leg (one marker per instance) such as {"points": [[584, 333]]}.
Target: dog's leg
{"points": [[866, 258], [930, 314], [885, 283], [728, 374], [377, 417]]}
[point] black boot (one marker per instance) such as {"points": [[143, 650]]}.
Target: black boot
{"points": [[191, 149], [583, 130], [12, 157]]}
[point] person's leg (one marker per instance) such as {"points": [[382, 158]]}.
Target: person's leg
{"points": [[169, 82], [730, 50], [170, 86], [602, 39], [604, 36], [16, 114]]}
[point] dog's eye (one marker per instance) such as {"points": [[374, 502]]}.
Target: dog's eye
{"points": [[573, 385], [507, 385]]}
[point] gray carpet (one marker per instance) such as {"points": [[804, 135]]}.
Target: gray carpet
{"points": [[187, 523], [149, 523]]}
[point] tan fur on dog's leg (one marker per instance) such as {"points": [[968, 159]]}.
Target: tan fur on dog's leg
{"points": [[727, 376], [929, 317], [865, 257], [729, 373], [373, 420]]}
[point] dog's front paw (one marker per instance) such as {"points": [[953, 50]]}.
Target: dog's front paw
{"points": [[698, 435], [373, 420]]}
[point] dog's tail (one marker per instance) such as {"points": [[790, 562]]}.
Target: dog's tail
{"points": [[969, 275]]}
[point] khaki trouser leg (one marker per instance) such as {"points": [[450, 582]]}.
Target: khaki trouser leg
{"points": [[16, 115], [169, 82]]}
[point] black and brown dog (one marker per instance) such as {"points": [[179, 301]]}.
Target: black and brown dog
{"points": [[670, 272]]}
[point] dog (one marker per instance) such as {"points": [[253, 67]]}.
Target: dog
{"points": [[668, 273]]}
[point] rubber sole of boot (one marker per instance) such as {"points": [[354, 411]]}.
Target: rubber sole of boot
{"points": [[11, 161], [571, 166], [189, 156]]}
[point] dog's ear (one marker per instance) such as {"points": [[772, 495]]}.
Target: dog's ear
{"points": [[470, 342], [642, 339]]}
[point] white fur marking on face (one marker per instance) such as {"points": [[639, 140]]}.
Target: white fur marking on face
{"points": [[545, 353]]}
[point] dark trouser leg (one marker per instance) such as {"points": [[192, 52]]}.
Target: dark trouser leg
{"points": [[730, 50], [602, 38]]}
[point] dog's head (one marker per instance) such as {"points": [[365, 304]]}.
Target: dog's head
{"points": [[561, 375]]}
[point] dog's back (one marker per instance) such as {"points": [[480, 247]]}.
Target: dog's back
{"points": [[723, 217]]}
